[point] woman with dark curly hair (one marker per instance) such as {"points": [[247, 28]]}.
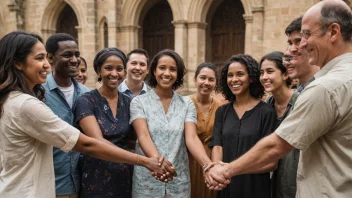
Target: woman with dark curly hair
{"points": [[240, 124], [165, 123]]}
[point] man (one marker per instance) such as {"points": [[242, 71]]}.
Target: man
{"points": [[298, 67], [137, 69], [61, 91], [320, 124]]}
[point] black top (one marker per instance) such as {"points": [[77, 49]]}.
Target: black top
{"points": [[99, 178], [237, 136]]}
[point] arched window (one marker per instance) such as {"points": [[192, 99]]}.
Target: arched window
{"points": [[67, 22]]}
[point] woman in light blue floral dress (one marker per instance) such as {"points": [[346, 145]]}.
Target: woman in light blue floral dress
{"points": [[165, 123]]}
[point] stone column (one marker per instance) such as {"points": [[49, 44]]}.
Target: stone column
{"points": [[196, 50], [128, 37], [88, 40], [248, 34], [257, 32]]}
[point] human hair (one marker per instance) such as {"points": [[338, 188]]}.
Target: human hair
{"points": [[342, 15], [294, 26], [209, 66], [138, 51], [84, 61], [181, 69], [14, 48], [52, 44], [256, 89], [276, 57], [103, 55]]}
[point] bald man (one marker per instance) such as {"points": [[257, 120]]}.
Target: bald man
{"points": [[320, 124]]}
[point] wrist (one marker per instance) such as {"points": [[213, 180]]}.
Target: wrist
{"points": [[227, 171]]}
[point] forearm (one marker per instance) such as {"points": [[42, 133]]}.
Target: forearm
{"points": [[148, 146], [197, 150], [216, 153], [105, 151], [263, 156]]}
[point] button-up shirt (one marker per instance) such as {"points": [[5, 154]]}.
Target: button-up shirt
{"points": [[123, 88], [320, 125], [167, 133], [65, 164]]}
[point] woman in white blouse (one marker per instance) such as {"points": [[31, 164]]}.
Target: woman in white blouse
{"points": [[29, 129], [165, 123]]}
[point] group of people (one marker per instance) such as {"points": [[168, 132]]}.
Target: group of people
{"points": [[135, 136]]}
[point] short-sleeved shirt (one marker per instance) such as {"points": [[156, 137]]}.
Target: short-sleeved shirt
{"points": [[102, 178], [320, 125], [28, 130], [236, 136], [167, 133], [123, 88], [65, 164]]}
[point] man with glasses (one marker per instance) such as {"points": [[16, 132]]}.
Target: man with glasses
{"points": [[320, 125], [298, 66]]}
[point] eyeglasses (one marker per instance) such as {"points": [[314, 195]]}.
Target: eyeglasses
{"points": [[286, 58], [306, 33]]}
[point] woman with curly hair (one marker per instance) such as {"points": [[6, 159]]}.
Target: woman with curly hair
{"points": [[240, 124]]}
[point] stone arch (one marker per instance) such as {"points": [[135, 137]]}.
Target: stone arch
{"points": [[132, 10], [52, 12], [103, 38], [199, 9]]}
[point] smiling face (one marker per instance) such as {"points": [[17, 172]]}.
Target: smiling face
{"points": [[238, 79], [36, 66], [66, 59], [137, 68], [83, 74], [112, 72], [205, 81], [271, 76], [166, 72]]}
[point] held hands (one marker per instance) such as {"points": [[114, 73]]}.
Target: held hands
{"points": [[214, 175], [164, 171]]}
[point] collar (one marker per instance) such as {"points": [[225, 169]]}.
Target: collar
{"points": [[123, 87], [333, 63], [53, 85]]}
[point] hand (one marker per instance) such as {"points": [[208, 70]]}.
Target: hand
{"points": [[215, 178], [168, 171]]}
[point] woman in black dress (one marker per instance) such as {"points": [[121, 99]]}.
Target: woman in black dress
{"points": [[240, 124]]}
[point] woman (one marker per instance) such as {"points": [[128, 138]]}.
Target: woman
{"points": [[29, 129], [104, 114], [83, 74], [205, 79], [165, 123], [240, 124], [274, 78]]}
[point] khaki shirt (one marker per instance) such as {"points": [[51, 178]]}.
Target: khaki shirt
{"points": [[320, 125], [28, 129]]}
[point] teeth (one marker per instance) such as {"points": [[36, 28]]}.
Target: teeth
{"points": [[236, 86], [113, 80], [166, 80], [43, 73], [72, 67]]}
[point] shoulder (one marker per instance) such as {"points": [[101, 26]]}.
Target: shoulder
{"points": [[83, 88], [265, 107], [124, 97]]}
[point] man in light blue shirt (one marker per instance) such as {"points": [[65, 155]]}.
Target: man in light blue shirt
{"points": [[61, 91], [137, 69]]}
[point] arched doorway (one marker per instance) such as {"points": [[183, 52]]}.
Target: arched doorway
{"points": [[157, 29], [67, 22], [226, 33]]}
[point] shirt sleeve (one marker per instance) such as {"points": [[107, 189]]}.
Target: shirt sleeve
{"points": [[136, 109], [38, 121], [82, 108], [314, 113], [191, 114], [217, 130]]}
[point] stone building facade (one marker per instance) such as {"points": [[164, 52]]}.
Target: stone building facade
{"points": [[199, 30]]}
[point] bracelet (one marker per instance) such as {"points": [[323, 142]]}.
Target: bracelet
{"points": [[137, 159]]}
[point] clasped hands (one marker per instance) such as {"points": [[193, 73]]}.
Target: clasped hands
{"points": [[214, 175], [162, 169]]}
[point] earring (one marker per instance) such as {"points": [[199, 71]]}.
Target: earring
{"points": [[99, 78]]}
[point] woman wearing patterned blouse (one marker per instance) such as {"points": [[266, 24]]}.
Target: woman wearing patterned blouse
{"points": [[205, 79], [104, 114], [165, 123], [240, 124]]}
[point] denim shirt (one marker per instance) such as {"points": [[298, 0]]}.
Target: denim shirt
{"points": [[67, 178]]}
